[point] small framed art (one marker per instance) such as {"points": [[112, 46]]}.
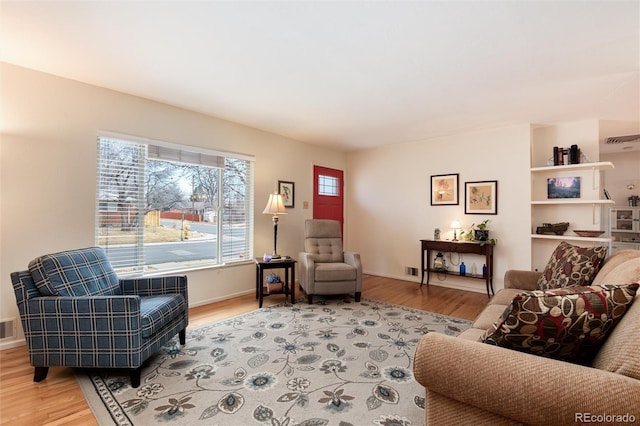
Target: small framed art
{"points": [[444, 190], [481, 197], [288, 192], [564, 187]]}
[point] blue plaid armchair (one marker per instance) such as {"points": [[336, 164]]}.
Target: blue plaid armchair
{"points": [[76, 312]]}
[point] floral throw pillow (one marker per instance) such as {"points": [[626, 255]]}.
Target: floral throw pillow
{"points": [[566, 323], [571, 265]]}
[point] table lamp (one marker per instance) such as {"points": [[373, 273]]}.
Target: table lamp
{"points": [[455, 225], [275, 206]]}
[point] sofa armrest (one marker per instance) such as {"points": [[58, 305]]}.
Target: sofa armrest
{"points": [[524, 280], [154, 286], [519, 386]]}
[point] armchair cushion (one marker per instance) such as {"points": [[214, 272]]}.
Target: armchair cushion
{"points": [[335, 272], [571, 265], [567, 323], [158, 311], [83, 272]]}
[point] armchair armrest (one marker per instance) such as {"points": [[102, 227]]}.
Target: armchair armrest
{"points": [[520, 386], [307, 267], [353, 259], [83, 331], [83, 315], [523, 280], [154, 286]]}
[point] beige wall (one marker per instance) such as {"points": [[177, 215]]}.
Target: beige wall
{"points": [[47, 183], [626, 171], [389, 208], [48, 172]]}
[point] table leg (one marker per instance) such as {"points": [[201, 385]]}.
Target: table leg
{"points": [[422, 265], [257, 281], [428, 266], [293, 284], [286, 282], [260, 288]]}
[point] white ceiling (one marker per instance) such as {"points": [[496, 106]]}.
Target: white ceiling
{"points": [[346, 74]]}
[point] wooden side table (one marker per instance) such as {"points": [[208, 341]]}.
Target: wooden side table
{"points": [[486, 250], [286, 264]]}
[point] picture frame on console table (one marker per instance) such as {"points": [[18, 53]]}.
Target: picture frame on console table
{"points": [[444, 190], [481, 197]]}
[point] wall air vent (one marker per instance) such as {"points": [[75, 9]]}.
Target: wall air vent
{"points": [[7, 329], [623, 139]]}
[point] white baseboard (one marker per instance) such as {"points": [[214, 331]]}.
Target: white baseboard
{"points": [[14, 343], [451, 281], [221, 298]]}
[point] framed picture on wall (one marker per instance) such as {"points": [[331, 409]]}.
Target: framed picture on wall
{"points": [[288, 192], [444, 190], [481, 197]]}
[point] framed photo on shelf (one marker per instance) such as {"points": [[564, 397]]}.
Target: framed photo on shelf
{"points": [[288, 192], [481, 197], [564, 187], [444, 190]]}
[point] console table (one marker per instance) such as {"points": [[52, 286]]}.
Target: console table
{"points": [[446, 246], [288, 264]]}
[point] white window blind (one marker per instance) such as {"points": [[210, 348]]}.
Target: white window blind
{"points": [[164, 207]]}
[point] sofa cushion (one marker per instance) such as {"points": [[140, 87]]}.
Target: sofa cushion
{"points": [[158, 311], [567, 323], [82, 272], [571, 265]]}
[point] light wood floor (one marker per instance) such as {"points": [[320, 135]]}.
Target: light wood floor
{"points": [[58, 399]]}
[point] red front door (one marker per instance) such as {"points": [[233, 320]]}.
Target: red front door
{"points": [[328, 194]]}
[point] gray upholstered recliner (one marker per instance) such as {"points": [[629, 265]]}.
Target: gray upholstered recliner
{"points": [[76, 312], [324, 267]]}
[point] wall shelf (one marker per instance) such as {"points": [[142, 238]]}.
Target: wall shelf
{"points": [[572, 201], [601, 165], [572, 238]]}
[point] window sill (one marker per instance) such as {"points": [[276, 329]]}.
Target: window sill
{"points": [[178, 269]]}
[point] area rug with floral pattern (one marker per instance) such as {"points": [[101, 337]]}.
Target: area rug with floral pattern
{"points": [[336, 362]]}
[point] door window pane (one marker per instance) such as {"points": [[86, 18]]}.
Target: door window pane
{"points": [[328, 185]]}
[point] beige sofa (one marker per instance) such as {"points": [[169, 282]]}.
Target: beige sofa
{"points": [[471, 383]]}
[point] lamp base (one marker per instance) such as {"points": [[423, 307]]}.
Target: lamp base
{"points": [[276, 256]]}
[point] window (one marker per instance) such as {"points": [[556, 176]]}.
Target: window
{"points": [[328, 185], [163, 207]]}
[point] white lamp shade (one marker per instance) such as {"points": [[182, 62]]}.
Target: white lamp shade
{"points": [[455, 225], [275, 205]]}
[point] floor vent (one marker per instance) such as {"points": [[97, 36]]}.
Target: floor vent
{"points": [[8, 329]]}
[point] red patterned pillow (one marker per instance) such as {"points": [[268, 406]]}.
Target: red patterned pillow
{"points": [[566, 323], [571, 265]]}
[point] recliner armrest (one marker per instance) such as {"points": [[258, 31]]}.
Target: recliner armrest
{"points": [[307, 266], [353, 259], [523, 387]]}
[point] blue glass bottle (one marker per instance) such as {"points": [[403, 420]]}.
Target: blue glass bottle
{"points": [[484, 271], [463, 269]]}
